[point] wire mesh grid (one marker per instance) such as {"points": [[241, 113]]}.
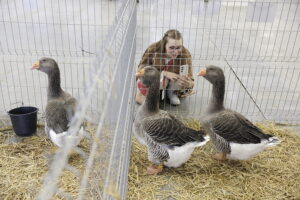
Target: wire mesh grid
{"points": [[87, 39], [55, 28], [68, 31], [232, 30], [112, 76], [256, 42]]}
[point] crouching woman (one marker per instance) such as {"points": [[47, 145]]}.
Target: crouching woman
{"points": [[175, 63]]}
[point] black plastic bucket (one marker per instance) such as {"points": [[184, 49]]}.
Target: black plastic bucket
{"points": [[24, 120]]}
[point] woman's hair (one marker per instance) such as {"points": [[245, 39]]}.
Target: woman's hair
{"points": [[173, 34]]}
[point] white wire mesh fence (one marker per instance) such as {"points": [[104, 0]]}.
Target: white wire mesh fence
{"points": [[87, 39], [105, 174], [68, 31], [257, 42], [55, 28], [243, 30], [97, 42]]}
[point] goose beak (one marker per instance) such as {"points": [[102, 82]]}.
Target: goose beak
{"points": [[202, 72], [140, 73], [35, 66]]}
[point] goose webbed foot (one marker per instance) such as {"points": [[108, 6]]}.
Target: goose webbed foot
{"points": [[154, 169], [219, 156]]}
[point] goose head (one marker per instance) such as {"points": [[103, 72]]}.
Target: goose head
{"points": [[47, 65], [148, 75], [213, 74]]}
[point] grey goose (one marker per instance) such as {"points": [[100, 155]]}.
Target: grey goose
{"points": [[233, 135], [60, 107], [168, 140]]}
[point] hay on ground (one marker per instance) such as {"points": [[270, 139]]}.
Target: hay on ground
{"points": [[23, 166], [272, 174]]}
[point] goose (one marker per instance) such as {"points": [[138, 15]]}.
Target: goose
{"points": [[233, 135], [168, 140], [60, 107]]}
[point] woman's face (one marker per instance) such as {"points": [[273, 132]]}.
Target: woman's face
{"points": [[173, 47]]}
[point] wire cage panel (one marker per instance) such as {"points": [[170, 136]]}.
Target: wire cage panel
{"points": [[68, 31], [111, 76], [257, 41], [231, 30], [236, 97], [55, 28], [274, 87], [98, 45], [94, 45], [22, 86]]}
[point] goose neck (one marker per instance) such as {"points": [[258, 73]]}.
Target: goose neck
{"points": [[217, 100], [54, 88], [152, 98]]}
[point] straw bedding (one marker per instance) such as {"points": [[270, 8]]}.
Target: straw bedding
{"points": [[24, 164], [272, 174]]}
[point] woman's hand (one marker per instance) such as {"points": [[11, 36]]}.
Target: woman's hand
{"points": [[185, 82], [172, 76], [182, 81]]}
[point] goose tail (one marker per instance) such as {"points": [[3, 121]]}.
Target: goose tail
{"points": [[57, 138], [273, 141], [75, 139], [202, 143], [60, 138]]}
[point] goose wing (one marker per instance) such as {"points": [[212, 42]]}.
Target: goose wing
{"points": [[166, 129], [59, 114], [234, 127]]}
